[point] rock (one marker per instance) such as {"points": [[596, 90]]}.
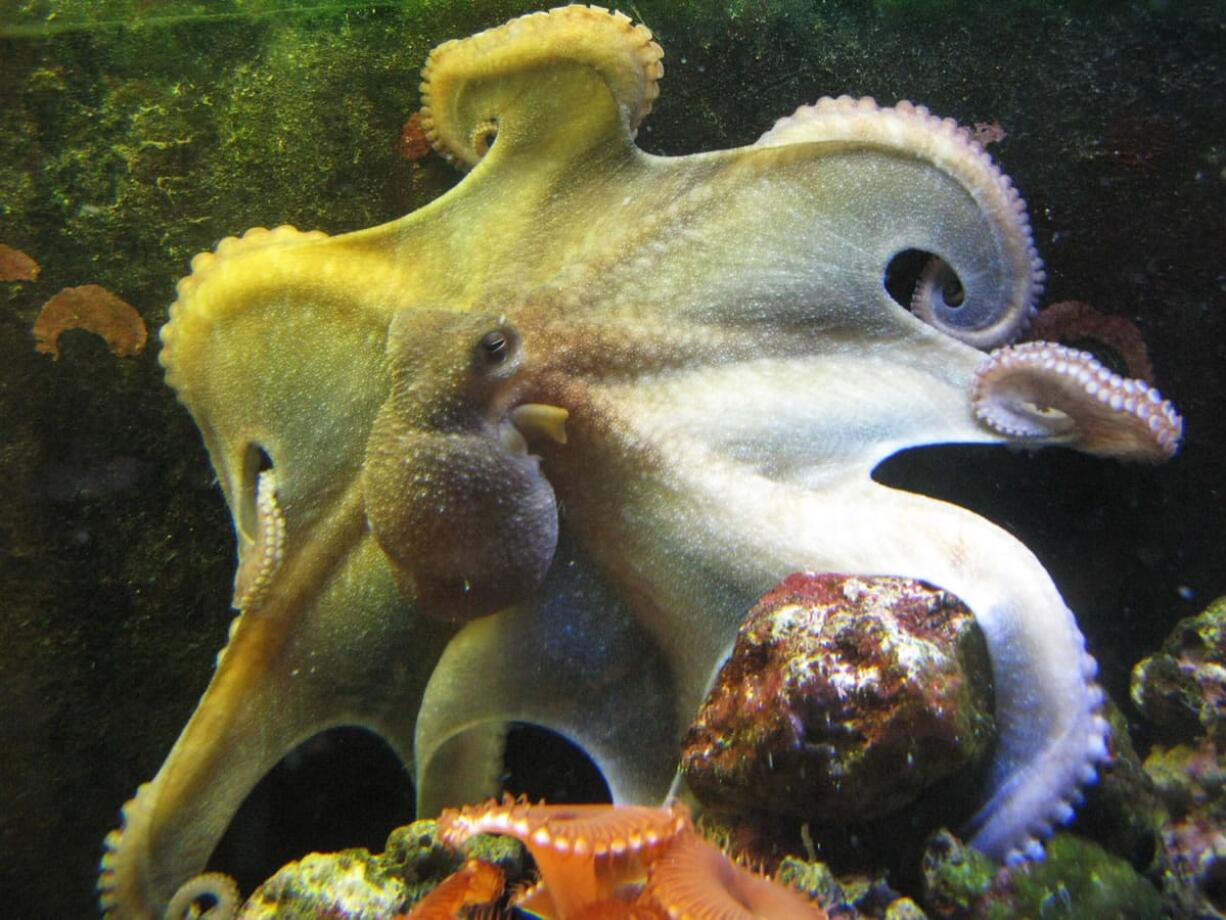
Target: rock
{"points": [[1192, 782], [1181, 690], [1123, 811], [844, 698], [847, 897], [904, 909], [1189, 778], [358, 886], [956, 876], [812, 878], [1195, 878], [1078, 879], [345, 884]]}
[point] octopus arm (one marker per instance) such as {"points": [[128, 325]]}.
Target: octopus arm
{"points": [[800, 236], [551, 85], [584, 668], [280, 364], [810, 419], [277, 683], [693, 538], [1045, 392], [271, 351]]}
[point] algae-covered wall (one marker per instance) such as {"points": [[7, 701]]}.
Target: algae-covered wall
{"points": [[134, 134]]}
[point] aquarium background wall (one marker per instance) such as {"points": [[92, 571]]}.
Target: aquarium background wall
{"points": [[136, 133]]}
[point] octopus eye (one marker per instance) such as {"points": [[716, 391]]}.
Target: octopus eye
{"points": [[495, 348]]}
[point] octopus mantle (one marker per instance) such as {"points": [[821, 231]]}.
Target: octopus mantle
{"points": [[532, 451]]}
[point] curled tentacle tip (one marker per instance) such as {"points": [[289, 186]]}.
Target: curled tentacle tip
{"points": [[940, 300], [215, 892], [1043, 392], [263, 550]]}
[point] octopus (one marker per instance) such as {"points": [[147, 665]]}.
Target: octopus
{"points": [[530, 453]]}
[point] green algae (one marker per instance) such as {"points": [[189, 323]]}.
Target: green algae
{"points": [[415, 856], [356, 883], [813, 878], [1078, 880]]}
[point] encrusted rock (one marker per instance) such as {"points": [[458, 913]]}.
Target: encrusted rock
{"points": [[346, 884], [904, 909], [359, 886], [1195, 879], [1077, 879], [1123, 811], [1192, 782], [1182, 688], [846, 897], [844, 698]]}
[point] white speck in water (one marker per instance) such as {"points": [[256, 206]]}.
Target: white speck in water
{"points": [[1185, 593]]}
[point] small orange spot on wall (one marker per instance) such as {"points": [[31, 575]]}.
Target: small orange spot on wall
{"points": [[413, 141], [93, 308], [15, 265]]}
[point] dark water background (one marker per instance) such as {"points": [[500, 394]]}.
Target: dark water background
{"points": [[135, 133]]}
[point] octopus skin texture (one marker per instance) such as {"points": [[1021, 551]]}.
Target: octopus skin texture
{"points": [[455, 500], [426, 551]]}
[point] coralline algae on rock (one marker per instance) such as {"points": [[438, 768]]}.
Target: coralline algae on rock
{"points": [[356, 885], [1182, 688], [1078, 880], [844, 697], [1192, 782], [346, 884]]}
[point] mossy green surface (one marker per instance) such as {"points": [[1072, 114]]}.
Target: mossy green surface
{"points": [[415, 856], [813, 878], [1078, 880]]}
